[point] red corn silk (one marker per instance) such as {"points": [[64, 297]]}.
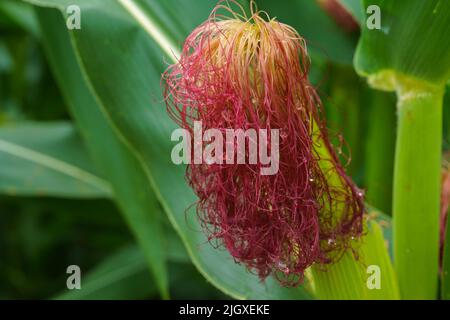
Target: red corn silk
{"points": [[251, 73]]}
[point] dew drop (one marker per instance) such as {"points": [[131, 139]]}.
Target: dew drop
{"points": [[283, 267]]}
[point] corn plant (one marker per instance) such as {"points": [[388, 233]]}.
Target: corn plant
{"points": [[356, 207]]}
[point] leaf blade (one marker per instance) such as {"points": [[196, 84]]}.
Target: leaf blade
{"points": [[414, 26], [47, 159], [134, 197]]}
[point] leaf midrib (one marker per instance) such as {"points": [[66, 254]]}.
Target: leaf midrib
{"points": [[151, 28]]}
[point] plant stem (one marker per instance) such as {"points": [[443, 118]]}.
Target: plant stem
{"points": [[416, 193]]}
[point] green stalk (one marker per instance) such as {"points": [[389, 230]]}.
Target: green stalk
{"points": [[348, 278], [416, 196]]}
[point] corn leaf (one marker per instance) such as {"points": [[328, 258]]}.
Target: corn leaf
{"points": [[47, 159], [122, 275], [412, 41], [131, 189], [20, 14]]}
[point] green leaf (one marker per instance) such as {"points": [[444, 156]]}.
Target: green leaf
{"points": [[122, 276], [130, 185], [413, 41], [47, 159], [21, 14], [123, 71], [324, 38]]}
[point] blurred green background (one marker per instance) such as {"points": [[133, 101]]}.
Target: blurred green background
{"points": [[57, 207]]}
